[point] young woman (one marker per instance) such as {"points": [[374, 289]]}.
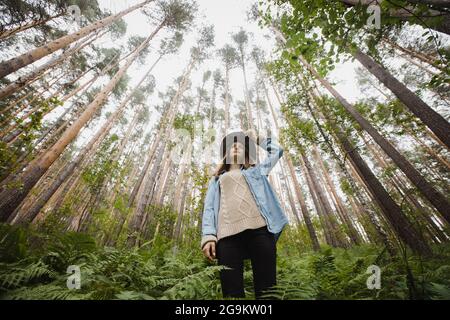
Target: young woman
{"points": [[242, 216]]}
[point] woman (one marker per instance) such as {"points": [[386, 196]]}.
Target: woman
{"points": [[242, 217]]}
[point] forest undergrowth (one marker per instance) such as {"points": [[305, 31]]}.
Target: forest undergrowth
{"points": [[34, 266]]}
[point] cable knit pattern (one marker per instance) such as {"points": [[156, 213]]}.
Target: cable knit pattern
{"points": [[238, 209]]}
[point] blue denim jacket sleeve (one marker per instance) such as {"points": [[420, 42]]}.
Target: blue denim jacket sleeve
{"points": [[275, 152], [208, 220]]}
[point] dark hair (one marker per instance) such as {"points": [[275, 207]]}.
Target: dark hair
{"points": [[224, 167]]}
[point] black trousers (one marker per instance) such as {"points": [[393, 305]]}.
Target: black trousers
{"points": [[257, 244]]}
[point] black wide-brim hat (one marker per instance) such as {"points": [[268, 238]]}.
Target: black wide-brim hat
{"points": [[239, 136]]}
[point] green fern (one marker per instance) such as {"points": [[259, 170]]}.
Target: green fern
{"points": [[14, 276], [193, 286], [439, 291], [45, 292], [132, 295], [159, 271]]}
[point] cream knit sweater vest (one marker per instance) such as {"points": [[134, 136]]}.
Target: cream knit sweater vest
{"points": [[238, 209]]}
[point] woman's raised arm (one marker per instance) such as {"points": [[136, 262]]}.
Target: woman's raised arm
{"points": [[274, 150]]}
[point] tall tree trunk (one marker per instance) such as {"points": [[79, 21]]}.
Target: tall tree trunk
{"points": [[27, 217], [401, 187], [418, 65], [420, 56], [30, 97], [181, 186], [10, 32], [11, 198], [304, 209], [291, 200], [182, 179], [22, 120], [121, 217], [212, 107], [246, 94], [329, 217], [139, 218], [166, 120], [351, 231], [150, 157], [24, 80], [438, 125], [434, 121], [297, 189], [227, 98], [200, 98], [164, 180], [324, 221], [375, 194], [434, 196], [428, 149], [393, 213], [14, 64]]}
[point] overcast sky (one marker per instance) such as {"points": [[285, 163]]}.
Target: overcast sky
{"points": [[227, 17]]}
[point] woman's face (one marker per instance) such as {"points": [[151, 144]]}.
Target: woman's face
{"points": [[236, 154]]}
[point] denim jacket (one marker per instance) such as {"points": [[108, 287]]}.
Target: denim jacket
{"points": [[260, 188]]}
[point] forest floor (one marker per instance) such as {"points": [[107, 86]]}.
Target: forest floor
{"points": [[43, 266]]}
